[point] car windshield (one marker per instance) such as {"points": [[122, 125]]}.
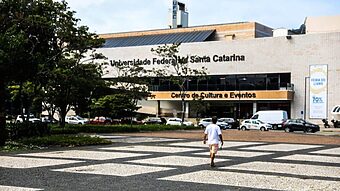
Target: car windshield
{"points": [[260, 121], [79, 118]]}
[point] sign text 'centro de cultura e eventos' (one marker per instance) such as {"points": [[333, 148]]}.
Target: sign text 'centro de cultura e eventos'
{"points": [[187, 59]]}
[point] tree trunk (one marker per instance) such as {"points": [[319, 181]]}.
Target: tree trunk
{"points": [[183, 110], [63, 111], [3, 134]]}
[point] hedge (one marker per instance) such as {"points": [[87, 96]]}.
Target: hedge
{"points": [[21, 130], [74, 129]]}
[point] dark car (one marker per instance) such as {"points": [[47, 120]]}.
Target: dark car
{"points": [[234, 124], [300, 125], [154, 120]]}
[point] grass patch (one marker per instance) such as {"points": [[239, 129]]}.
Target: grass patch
{"points": [[52, 141], [64, 141], [12, 146]]}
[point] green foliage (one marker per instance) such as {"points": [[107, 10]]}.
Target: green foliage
{"points": [[19, 130], [115, 106], [64, 141], [16, 146], [69, 129], [33, 143], [41, 42]]}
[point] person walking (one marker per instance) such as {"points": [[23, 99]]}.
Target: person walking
{"points": [[213, 135]]}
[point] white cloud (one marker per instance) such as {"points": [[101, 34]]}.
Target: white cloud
{"points": [[107, 16]]}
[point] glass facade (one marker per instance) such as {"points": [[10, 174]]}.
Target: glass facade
{"points": [[275, 81]]}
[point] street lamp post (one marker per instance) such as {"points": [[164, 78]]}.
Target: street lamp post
{"points": [[305, 103]]}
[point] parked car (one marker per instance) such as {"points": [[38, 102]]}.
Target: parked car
{"points": [[178, 121], [274, 117], [75, 120], [101, 121], [46, 119], [336, 116], [220, 122], [155, 120], [300, 125], [234, 124], [31, 119], [255, 124]]}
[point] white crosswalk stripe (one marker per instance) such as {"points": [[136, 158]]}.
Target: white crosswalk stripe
{"points": [[259, 165]]}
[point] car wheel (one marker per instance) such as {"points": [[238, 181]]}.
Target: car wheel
{"points": [[243, 128], [287, 129], [201, 126], [262, 129]]}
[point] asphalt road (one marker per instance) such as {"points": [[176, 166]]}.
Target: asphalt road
{"points": [[178, 163]]}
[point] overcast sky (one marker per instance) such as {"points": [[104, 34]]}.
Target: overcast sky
{"points": [[110, 16]]}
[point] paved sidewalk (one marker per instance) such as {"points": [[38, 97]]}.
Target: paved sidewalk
{"points": [[152, 163]]}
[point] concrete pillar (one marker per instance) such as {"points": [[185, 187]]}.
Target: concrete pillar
{"points": [[186, 115], [254, 107], [158, 110]]}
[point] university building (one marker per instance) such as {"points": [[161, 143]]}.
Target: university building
{"points": [[250, 67]]}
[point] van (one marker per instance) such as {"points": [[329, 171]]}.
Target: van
{"points": [[272, 117]]}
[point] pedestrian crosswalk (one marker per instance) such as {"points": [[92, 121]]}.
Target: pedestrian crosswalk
{"points": [[256, 165]]}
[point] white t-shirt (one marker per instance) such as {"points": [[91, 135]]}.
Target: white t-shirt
{"points": [[213, 131]]}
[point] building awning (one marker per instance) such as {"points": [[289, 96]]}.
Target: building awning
{"points": [[183, 37]]}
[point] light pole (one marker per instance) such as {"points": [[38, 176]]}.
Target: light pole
{"points": [[239, 80], [305, 103]]}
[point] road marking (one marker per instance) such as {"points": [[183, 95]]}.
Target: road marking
{"points": [[160, 149], [114, 169], [296, 169], [227, 144], [143, 139], [14, 188], [177, 161], [282, 147], [252, 181], [311, 158], [335, 151], [81, 154], [228, 153], [25, 162]]}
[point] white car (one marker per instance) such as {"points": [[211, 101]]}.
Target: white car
{"points": [[31, 119], [178, 121], [75, 120], [250, 124]]}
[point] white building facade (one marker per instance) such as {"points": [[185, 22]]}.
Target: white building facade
{"points": [[245, 75]]}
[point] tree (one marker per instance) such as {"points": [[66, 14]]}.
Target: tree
{"points": [[72, 72], [24, 37], [38, 38], [198, 106], [178, 70], [115, 106], [132, 82]]}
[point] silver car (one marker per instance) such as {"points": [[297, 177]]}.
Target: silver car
{"points": [[256, 124]]}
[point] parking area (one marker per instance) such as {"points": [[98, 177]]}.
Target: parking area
{"points": [[169, 162]]}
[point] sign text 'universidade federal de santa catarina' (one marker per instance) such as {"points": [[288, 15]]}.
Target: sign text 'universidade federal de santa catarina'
{"points": [[187, 59]]}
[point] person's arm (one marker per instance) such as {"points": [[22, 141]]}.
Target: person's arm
{"points": [[204, 138], [219, 132], [221, 138]]}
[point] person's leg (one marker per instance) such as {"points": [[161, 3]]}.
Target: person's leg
{"points": [[212, 163], [213, 151]]}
